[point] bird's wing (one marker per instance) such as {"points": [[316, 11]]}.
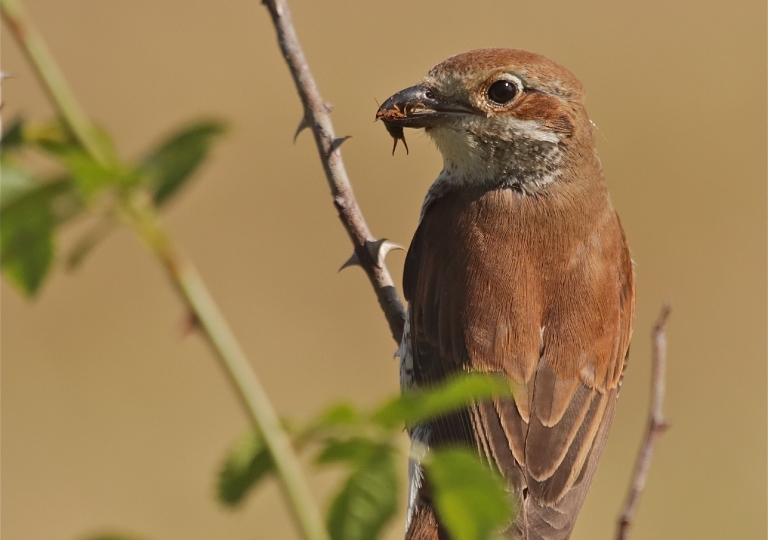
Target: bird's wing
{"points": [[562, 350]]}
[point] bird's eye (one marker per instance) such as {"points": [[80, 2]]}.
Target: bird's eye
{"points": [[502, 92], [429, 94]]}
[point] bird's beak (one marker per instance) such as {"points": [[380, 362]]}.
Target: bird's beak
{"points": [[418, 107]]}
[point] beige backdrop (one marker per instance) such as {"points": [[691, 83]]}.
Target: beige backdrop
{"points": [[112, 421]]}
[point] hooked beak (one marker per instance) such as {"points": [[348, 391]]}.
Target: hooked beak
{"points": [[418, 107]]}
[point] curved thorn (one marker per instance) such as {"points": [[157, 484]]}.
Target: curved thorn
{"points": [[354, 260], [338, 141], [379, 249], [302, 126]]}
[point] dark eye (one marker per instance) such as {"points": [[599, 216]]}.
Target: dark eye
{"points": [[502, 92], [429, 94]]}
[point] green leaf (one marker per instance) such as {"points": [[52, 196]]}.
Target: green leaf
{"points": [[14, 183], [52, 135], [470, 497], [89, 175], [337, 418], [29, 215], [356, 450], [367, 500], [172, 163], [342, 414], [13, 137], [49, 131], [457, 392], [248, 463]]}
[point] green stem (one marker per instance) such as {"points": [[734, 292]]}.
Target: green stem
{"points": [[55, 85], [250, 391], [140, 215]]}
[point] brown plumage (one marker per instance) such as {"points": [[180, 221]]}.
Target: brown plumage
{"points": [[519, 266]]}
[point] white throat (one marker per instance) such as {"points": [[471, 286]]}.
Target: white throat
{"points": [[500, 151]]}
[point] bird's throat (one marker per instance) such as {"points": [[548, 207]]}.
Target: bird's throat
{"points": [[519, 156]]}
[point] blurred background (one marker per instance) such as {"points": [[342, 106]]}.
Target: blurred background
{"points": [[113, 420]]}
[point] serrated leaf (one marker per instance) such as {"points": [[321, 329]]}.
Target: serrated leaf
{"points": [[172, 163], [469, 496], [30, 213], [367, 500], [457, 392], [248, 463]]}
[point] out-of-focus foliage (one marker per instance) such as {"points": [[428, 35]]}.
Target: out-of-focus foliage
{"points": [[366, 444], [248, 462], [470, 499], [32, 209], [168, 166], [368, 498]]}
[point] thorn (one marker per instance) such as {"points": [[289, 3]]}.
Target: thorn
{"points": [[338, 141], [379, 249], [190, 324], [302, 126], [328, 107], [354, 260]]}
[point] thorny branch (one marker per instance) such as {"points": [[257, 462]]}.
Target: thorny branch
{"points": [[368, 251], [657, 425]]}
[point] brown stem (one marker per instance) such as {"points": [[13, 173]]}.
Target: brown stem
{"points": [[657, 425], [318, 119]]}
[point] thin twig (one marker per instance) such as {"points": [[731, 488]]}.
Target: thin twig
{"points": [[657, 425], [138, 212], [318, 119]]}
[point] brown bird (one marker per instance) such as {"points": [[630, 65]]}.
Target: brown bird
{"points": [[519, 266]]}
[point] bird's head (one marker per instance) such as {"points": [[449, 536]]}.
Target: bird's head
{"points": [[497, 115]]}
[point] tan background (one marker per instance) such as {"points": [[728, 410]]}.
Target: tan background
{"points": [[112, 421]]}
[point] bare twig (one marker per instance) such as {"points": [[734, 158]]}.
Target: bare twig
{"points": [[656, 424], [318, 119], [139, 214]]}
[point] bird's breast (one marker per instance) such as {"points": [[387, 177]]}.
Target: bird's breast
{"points": [[487, 269]]}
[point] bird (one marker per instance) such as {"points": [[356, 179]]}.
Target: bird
{"points": [[519, 267]]}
